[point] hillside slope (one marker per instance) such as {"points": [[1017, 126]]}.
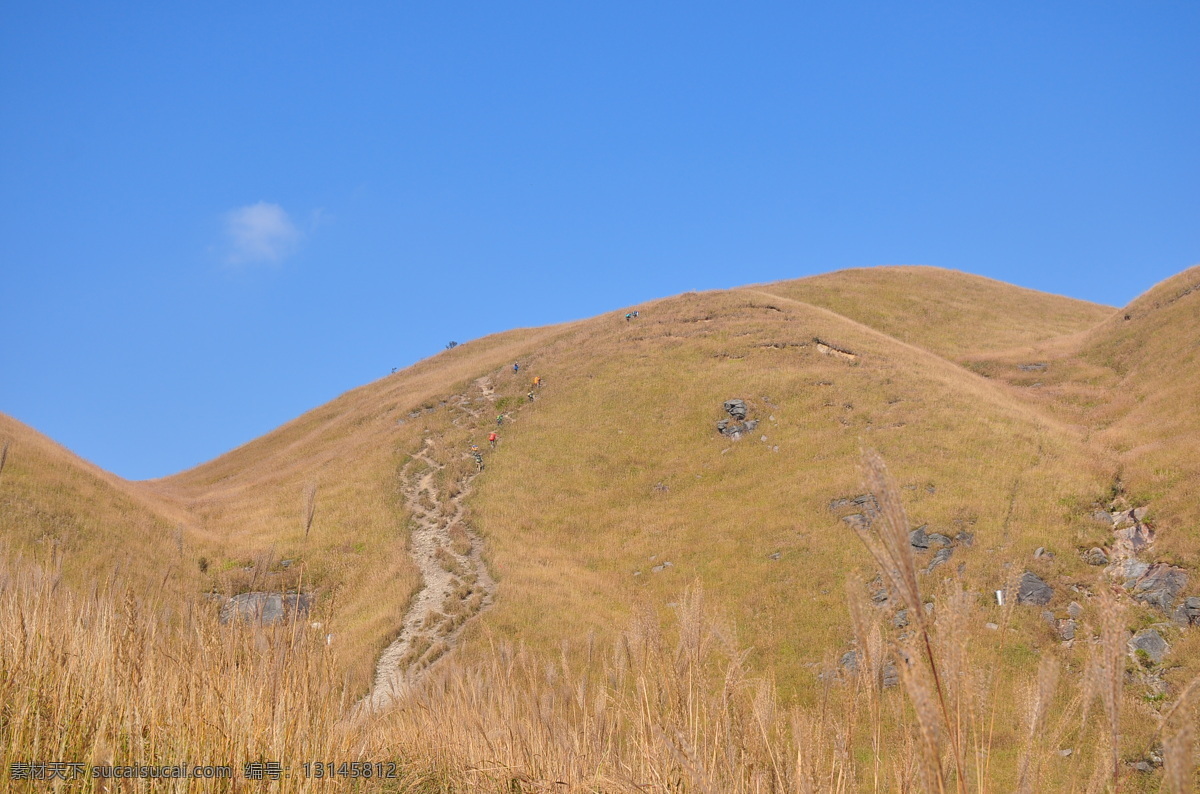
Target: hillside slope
{"points": [[947, 312], [617, 467], [56, 508], [1028, 435]]}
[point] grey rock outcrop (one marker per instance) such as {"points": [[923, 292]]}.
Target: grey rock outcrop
{"points": [[735, 408], [1032, 589], [1095, 556], [865, 507], [1188, 613], [734, 430], [265, 608], [942, 556], [920, 539], [1160, 585], [1150, 642]]}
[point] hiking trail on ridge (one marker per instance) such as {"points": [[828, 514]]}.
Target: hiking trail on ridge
{"points": [[456, 585]]}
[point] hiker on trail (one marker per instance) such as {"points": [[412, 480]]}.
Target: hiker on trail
{"points": [[537, 382], [516, 367], [530, 396], [635, 314], [492, 438], [475, 453], [499, 420], [628, 316]]}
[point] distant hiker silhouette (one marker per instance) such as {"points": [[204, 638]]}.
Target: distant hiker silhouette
{"points": [[499, 420], [516, 367], [477, 455], [530, 396], [492, 438], [537, 382]]}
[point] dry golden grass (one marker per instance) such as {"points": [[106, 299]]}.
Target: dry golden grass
{"points": [[950, 313], [117, 678], [616, 468]]}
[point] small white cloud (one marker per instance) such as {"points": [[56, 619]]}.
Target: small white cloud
{"points": [[260, 232]]}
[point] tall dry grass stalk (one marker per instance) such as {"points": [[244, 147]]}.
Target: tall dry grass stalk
{"points": [[893, 554], [112, 677], [116, 677], [310, 507]]}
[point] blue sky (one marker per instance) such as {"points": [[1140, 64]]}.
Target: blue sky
{"points": [[215, 216]]}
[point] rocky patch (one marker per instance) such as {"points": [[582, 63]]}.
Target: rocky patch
{"points": [[267, 609], [737, 424], [1149, 644], [864, 506], [1032, 589]]}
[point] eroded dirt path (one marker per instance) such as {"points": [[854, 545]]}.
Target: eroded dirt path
{"points": [[456, 585]]}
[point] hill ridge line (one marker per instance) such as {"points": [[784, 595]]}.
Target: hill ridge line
{"points": [[991, 387]]}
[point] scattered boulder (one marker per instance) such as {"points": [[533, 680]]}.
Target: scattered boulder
{"points": [[1075, 610], [1151, 643], [734, 430], [879, 591], [849, 661], [1096, 556], [1131, 571], [1131, 540], [865, 502], [891, 676], [965, 538], [1066, 630], [942, 556], [1033, 590], [735, 408], [865, 506], [1036, 367], [1102, 517], [900, 621], [265, 608], [1160, 585], [920, 539], [857, 521], [1188, 613]]}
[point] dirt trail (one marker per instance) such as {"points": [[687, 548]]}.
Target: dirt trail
{"points": [[456, 584]]}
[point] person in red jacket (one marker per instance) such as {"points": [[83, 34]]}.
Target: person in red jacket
{"points": [[492, 439]]}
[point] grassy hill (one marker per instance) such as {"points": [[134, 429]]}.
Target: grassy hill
{"points": [[1007, 418], [60, 510]]}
